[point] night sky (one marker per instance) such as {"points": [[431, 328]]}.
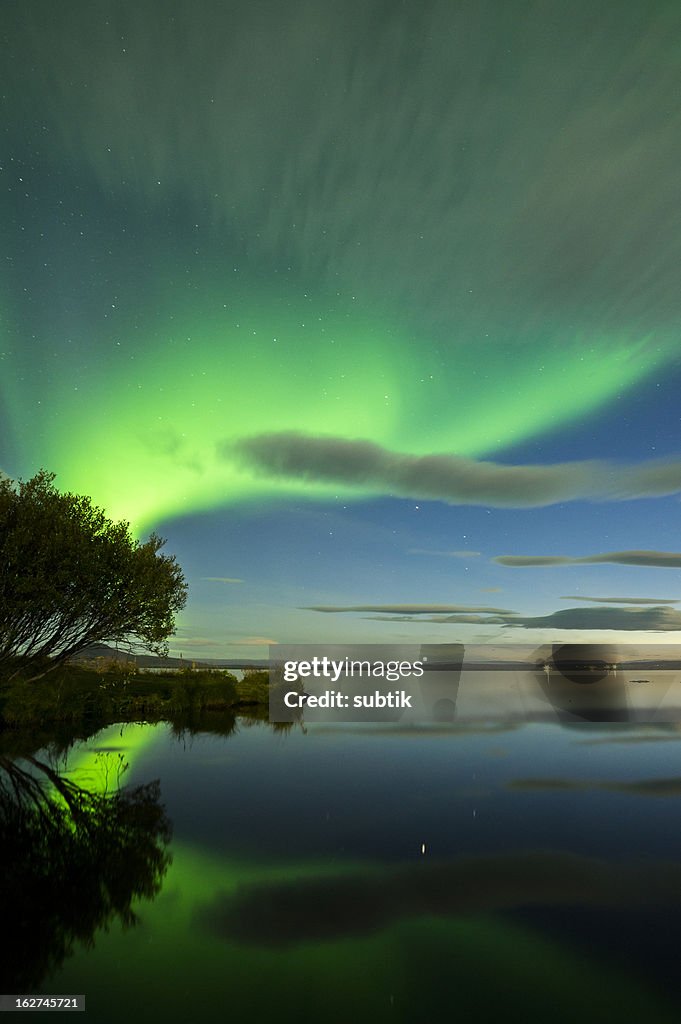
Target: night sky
{"points": [[372, 309]]}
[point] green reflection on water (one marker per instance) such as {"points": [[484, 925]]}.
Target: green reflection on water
{"points": [[174, 966], [425, 969], [74, 860]]}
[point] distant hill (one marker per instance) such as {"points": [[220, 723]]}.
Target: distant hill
{"points": [[153, 661]]}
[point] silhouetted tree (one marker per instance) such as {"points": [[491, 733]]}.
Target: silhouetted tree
{"points": [[70, 577]]}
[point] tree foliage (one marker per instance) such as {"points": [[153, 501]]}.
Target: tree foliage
{"points": [[70, 577]]}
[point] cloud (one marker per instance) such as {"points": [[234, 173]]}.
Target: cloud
{"points": [[490, 620], [405, 609], [220, 579], [447, 477], [660, 559], [429, 206], [660, 618], [336, 168], [622, 600]]}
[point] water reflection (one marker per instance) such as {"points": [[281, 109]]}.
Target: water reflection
{"points": [[598, 683], [71, 861], [313, 909], [375, 869]]}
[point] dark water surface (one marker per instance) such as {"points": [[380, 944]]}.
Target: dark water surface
{"points": [[356, 872]]}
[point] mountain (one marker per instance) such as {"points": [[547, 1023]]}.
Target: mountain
{"points": [[153, 660]]}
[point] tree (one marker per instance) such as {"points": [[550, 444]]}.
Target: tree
{"points": [[70, 577]]}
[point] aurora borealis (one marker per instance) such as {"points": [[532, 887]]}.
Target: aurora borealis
{"points": [[353, 301]]}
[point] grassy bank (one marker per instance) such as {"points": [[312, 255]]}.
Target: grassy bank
{"points": [[115, 691]]}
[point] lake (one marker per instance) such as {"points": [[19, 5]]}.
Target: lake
{"points": [[351, 872]]}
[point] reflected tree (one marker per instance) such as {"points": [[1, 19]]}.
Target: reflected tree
{"points": [[71, 862]]}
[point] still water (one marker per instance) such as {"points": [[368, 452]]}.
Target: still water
{"points": [[351, 872]]}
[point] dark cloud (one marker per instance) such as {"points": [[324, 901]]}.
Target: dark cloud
{"points": [[658, 619], [487, 620], [405, 609], [622, 600], [450, 478], [314, 909], [660, 559]]}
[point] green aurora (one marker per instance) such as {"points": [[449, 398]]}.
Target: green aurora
{"points": [[440, 229], [149, 438]]}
